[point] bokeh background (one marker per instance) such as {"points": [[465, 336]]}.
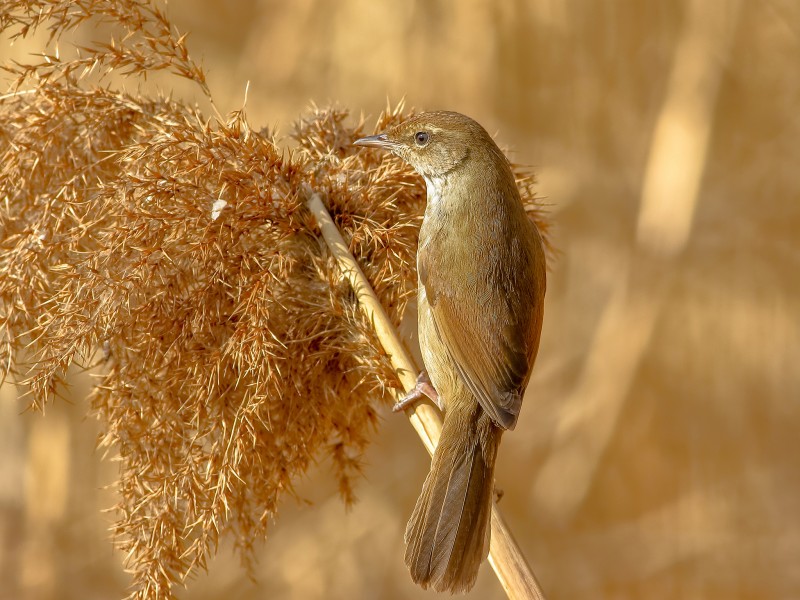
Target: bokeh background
{"points": [[658, 451]]}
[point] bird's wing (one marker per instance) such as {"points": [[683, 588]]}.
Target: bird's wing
{"points": [[492, 350]]}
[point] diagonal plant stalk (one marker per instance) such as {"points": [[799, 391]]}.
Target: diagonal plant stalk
{"points": [[505, 556]]}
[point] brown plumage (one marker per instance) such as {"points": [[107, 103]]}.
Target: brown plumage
{"points": [[481, 268]]}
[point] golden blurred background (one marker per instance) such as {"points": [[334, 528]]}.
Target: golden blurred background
{"points": [[658, 450]]}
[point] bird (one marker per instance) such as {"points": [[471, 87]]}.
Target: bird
{"points": [[481, 285]]}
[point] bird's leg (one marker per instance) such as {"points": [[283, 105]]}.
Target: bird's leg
{"points": [[424, 387]]}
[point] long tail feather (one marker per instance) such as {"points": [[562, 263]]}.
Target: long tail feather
{"points": [[448, 534]]}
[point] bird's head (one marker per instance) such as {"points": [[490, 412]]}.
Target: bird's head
{"points": [[436, 143]]}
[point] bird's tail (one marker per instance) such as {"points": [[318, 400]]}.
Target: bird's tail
{"points": [[447, 536]]}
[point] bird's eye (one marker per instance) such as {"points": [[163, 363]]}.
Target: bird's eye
{"points": [[421, 137]]}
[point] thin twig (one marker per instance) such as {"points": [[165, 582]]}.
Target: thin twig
{"points": [[505, 556], [18, 93]]}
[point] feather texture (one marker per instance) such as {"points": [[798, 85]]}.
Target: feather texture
{"points": [[447, 536]]}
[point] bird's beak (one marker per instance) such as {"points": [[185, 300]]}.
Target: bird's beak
{"points": [[376, 141]]}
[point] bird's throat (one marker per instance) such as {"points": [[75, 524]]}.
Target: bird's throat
{"points": [[435, 186]]}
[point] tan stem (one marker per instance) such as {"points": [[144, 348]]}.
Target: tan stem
{"points": [[505, 556]]}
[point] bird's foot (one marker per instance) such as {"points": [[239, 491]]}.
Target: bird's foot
{"points": [[424, 388]]}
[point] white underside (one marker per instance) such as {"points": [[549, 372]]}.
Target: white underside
{"points": [[434, 185]]}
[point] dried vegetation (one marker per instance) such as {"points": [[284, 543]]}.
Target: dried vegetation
{"points": [[173, 253]]}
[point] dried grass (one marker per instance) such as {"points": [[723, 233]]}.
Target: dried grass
{"points": [[175, 253]]}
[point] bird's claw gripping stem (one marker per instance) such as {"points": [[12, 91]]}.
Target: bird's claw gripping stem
{"points": [[425, 388]]}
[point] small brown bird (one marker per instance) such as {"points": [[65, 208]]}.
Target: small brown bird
{"points": [[481, 269]]}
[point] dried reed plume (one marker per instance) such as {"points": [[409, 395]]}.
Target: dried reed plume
{"points": [[177, 252]]}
